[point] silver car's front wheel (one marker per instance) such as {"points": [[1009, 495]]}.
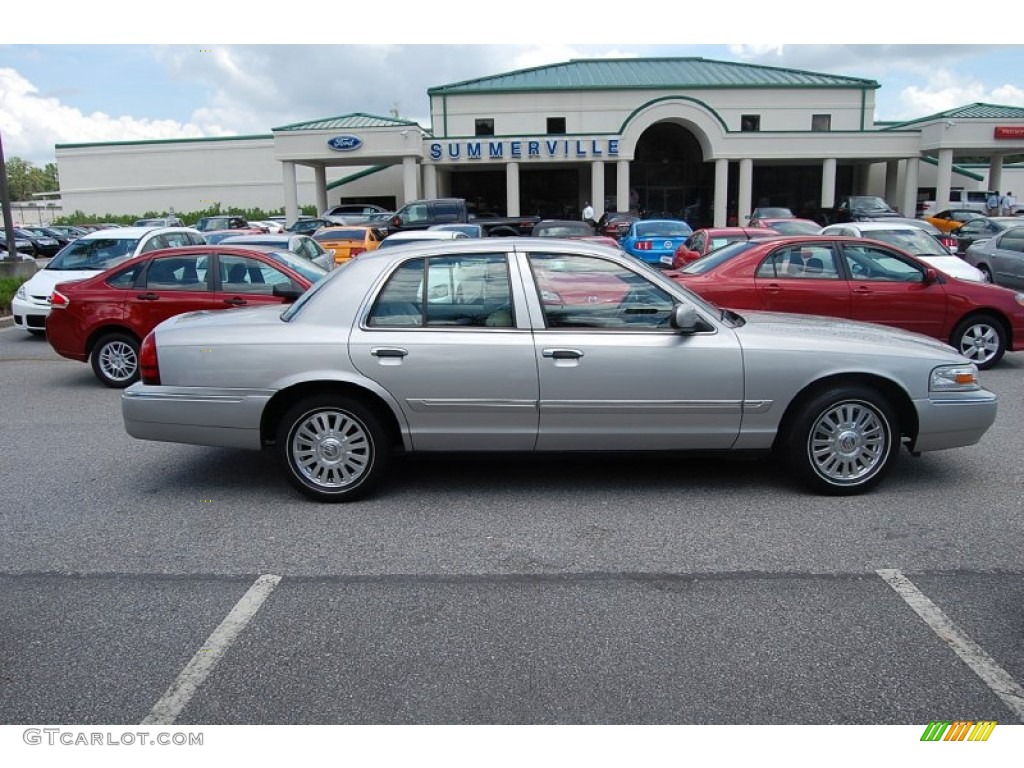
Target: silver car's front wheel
{"points": [[843, 441], [332, 448]]}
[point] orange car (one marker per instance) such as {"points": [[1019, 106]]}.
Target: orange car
{"points": [[952, 220], [348, 242]]}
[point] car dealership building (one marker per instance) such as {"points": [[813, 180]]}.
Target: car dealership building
{"points": [[708, 140]]}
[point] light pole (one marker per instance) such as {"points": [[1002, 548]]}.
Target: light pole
{"points": [[5, 205]]}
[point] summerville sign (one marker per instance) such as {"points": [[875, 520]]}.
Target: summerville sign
{"points": [[528, 149]]}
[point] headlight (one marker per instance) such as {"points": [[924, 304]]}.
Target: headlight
{"points": [[21, 292], [955, 378], [1020, 298]]}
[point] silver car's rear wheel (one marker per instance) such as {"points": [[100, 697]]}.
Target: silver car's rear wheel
{"points": [[332, 448], [843, 441]]}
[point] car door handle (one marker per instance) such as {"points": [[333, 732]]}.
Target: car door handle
{"points": [[863, 289], [148, 296], [389, 352], [773, 288], [235, 301], [563, 354]]}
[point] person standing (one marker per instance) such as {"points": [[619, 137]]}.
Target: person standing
{"points": [[992, 204], [588, 213], [1007, 203]]}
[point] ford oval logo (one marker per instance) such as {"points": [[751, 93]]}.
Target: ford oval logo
{"points": [[345, 143]]}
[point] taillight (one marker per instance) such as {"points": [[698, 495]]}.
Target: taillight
{"points": [[149, 365], [58, 300], [356, 250], [643, 245]]}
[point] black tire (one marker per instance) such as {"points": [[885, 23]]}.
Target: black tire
{"points": [[333, 448], [115, 360], [986, 273], [842, 441], [981, 339]]}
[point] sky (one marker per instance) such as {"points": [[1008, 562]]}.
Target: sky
{"points": [[58, 90]]}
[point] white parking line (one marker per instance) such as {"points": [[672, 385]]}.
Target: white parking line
{"points": [[175, 699], [972, 654]]}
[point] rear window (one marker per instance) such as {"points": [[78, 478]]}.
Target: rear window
{"points": [[663, 229]]}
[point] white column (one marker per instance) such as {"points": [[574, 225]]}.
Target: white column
{"points": [[911, 171], [291, 193], [746, 191], [892, 177], [430, 182], [944, 179], [721, 192], [597, 188], [410, 189], [828, 182], [511, 189], [995, 173], [320, 183], [621, 185]]}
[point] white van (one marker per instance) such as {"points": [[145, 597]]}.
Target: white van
{"points": [[969, 199]]}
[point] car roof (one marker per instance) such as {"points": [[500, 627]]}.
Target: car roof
{"points": [[132, 233], [268, 238], [873, 226], [428, 234]]}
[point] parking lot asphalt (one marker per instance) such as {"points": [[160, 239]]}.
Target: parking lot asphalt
{"points": [[494, 590]]}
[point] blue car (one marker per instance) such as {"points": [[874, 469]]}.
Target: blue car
{"points": [[655, 240]]}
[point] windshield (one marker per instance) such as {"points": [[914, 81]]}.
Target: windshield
{"points": [[869, 203], [716, 257], [308, 269], [95, 254], [662, 229], [915, 241]]}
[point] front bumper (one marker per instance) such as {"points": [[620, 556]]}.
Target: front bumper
{"points": [[30, 315], [953, 420]]}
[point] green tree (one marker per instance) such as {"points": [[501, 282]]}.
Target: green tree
{"points": [[25, 179]]}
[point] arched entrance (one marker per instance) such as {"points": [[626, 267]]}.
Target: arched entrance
{"points": [[669, 176]]}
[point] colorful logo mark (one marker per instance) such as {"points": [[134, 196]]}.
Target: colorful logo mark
{"points": [[958, 730]]}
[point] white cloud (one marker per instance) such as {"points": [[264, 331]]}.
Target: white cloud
{"points": [[948, 90], [32, 123]]}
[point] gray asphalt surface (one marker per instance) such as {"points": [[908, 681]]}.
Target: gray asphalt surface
{"points": [[491, 590]]}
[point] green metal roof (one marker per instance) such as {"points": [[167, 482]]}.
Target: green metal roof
{"points": [[356, 120], [976, 111], [358, 175], [646, 74]]}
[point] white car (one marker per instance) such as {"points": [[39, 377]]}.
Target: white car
{"points": [[87, 256], [420, 236], [913, 240]]}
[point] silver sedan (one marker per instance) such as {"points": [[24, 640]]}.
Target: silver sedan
{"points": [[1001, 258], [526, 344]]}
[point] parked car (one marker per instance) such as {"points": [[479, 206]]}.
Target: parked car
{"points": [[420, 236], [22, 245], [354, 209], [788, 226], [977, 230], [167, 221], [854, 208], [88, 256], [423, 214], [571, 229], [704, 241], [301, 245], [364, 367], [304, 226], [218, 235], [103, 319], [1000, 258], [975, 200], [346, 243], [71, 233], [655, 241], [469, 230], [909, 238], [868, 280], [770, 213], [46, 246], [616, 223], [951, 220], [48, 232], [212, 223]]}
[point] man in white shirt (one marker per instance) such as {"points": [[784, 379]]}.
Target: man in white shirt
{"points": [[992, 204], [1007, 204], [588, 213]]}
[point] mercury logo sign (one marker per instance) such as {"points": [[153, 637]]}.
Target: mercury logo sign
{"points": [[344, 143]]}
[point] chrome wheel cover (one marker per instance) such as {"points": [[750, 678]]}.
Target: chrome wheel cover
{"points": [[118, 361], [979, 343], [330, 449], [849, 443]]}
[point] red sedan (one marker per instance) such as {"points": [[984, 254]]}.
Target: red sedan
{"points": [[861, 279], [105, 317], [703, 241]]}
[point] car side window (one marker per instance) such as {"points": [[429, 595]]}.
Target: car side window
{"points": [[1013, 241], [416, 214], [178, 273], [400, 302], [241, 274], [154, 244], [590, 292], [815, 262], [126, 277], [870, 263]]}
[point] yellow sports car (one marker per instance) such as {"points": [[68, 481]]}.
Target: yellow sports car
{"points": [[952, 220], [347, 242]]}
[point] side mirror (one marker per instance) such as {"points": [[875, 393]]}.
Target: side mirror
{"points": [[930, 276], [396, 221], [685, 318]]}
